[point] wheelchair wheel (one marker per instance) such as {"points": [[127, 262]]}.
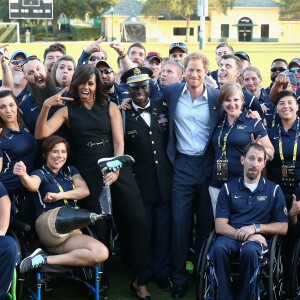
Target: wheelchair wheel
{"points": [[202, 277], [295, 272], [275, 284], [19, 281]]}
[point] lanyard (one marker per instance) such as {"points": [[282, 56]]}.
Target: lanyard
{"points": [[295, 144], [61, 189], [225, 137]]}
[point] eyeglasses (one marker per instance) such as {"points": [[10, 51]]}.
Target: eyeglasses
{"points": [[106, 71], [26, 60], [280, 69], [94, 57], [293, 70], [15, 62], [150, 54]]}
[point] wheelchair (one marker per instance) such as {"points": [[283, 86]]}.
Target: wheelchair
{"points": [[267, 281], [21, 229], [295, 272]]}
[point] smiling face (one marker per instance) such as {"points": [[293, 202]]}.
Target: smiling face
{"points": [[87, 90], [287, 108], [233, 104], [57, 157], [139, 94], [8, 110], [64, 73], [35, 72], [195, 73], [220, 52]]}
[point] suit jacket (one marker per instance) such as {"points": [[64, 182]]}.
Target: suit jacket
{"points": [[147, 145], [171, 94]]}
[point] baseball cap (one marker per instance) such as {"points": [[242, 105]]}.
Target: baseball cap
{"points": [[181, 46], [294, 61], [242, 55], [103, 61], [291, 75], [152, 55], [17, 52], [137, 76]]}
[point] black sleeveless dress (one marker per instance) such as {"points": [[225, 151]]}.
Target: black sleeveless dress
{"points": [[92, 132]]}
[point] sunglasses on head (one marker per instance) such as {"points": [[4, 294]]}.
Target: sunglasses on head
{"points": [[15, 62], [153, 54], [182, 45], [293, 70], [280, 69], [94, 57], [26, 60], [106, 71]]}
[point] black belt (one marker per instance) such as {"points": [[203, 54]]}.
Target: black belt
{"points": [[93, 144]]}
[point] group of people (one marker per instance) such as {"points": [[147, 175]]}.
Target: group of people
{"points": [[200, 141]]}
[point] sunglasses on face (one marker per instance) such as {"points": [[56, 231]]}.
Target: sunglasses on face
{"points": [[280, 69], [26, 60], [94, 57], [293, 70], [106, 71], [15, 62]]}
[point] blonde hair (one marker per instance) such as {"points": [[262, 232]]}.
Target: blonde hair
{"points": [[196, 56]]}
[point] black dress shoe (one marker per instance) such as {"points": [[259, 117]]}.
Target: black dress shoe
{"points": [[164, 283], [137, 294], [178, 291]]}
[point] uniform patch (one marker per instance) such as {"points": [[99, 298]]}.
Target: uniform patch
{"points": [[285, 211], [241, 126], [261, 198]]}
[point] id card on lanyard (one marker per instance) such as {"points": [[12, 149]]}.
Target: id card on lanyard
{"points": [[288, 171], [222, 163]]}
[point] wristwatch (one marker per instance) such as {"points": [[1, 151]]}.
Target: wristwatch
{"points": [[257, 227]]}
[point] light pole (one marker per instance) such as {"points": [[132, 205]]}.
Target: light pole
{"points": [[112, 22]]}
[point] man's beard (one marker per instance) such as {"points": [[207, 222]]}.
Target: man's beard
{"points": [[252, 176], [108, 85], [18, 77], [41, 94]]}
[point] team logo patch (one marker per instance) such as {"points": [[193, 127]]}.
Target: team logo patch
{"points": [[261, 198], [285, 211], [241, 126]]}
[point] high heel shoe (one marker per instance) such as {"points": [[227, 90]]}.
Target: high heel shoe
{"points": [[137, 294]]}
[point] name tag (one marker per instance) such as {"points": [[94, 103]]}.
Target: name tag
{"points": [[288, 176], [222, 170]]}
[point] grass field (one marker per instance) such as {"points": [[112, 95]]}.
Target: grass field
{"points": [[261, 54]]}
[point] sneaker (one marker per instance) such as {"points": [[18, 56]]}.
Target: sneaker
{"points": [[33, 261], [112, 164]]}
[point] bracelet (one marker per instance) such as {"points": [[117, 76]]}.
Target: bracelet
{"points": [[122, 54]]}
